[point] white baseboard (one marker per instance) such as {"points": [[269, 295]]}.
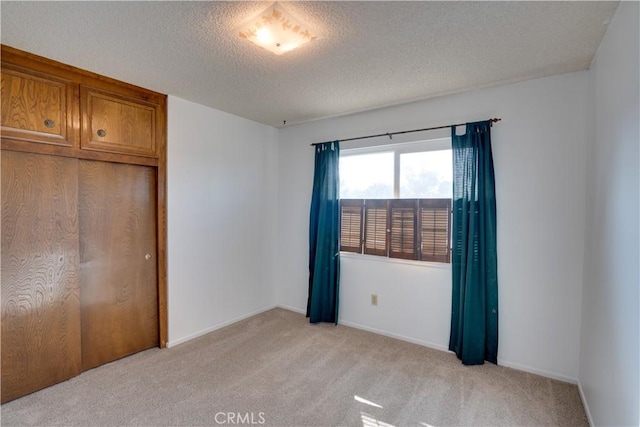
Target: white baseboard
{"points": [[294, 309], [377, 331], [501, 362], [174, 343], [585, 404], [541, 372], [396, 336], [441, 347]]}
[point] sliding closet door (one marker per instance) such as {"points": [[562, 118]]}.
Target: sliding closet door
{"points": [[40, 287], [118, 272]]}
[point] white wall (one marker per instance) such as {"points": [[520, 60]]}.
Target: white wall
{"points": [[222, 195], [609, 356], [539, 152]]}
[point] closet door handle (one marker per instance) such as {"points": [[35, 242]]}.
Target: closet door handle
{"points": [[49, 123], [147, 257], [102, 133]]}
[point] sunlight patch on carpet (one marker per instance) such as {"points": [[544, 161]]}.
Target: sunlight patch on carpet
{"points": [[369, 420], [365, 401]]}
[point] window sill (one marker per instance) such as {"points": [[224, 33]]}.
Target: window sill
{"points": [[413, 263]]}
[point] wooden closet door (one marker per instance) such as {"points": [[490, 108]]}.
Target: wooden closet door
{"points": [[40, 269], [118, 272]]}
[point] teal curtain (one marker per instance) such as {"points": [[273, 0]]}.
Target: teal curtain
{"points": [[324, 236], [474, 308]]}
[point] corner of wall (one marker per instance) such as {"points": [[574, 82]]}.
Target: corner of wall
{"points": [[583, 398], [609, 346]]}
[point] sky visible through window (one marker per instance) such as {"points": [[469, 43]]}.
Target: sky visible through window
{"points": [[366, 176], [426, 174]]}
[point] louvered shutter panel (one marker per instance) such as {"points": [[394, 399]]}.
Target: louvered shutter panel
{"points": [[435, 230], [351, 225], [403, 229], [376, 225]]}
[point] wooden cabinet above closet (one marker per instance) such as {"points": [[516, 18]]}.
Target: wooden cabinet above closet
{"points": [[116, 123], [64, 111], [36, 106]]}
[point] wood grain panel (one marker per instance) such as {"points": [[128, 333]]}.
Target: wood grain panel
{"points": [[35, 106], [119, 296], [162, 223], [55, 150], [40, 272], [128, 125], [75, 78]]}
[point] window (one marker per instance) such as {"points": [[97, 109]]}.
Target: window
{"points": [[367, 176], [396, 201]]}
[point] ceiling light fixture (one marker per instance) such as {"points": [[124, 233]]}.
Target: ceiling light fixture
{"points": [[277, 31]]}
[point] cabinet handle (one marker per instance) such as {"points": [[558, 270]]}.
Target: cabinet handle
{"points": [[147, 257], [49, 123], [102, 133]]}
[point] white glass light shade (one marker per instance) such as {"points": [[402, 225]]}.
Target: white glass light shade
{"points": [[277, 31]]}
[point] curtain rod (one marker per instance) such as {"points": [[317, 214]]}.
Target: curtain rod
{"points": [[390, 134]]}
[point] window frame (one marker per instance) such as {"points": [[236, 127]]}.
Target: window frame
{"points": [[416, 204], [398, 149]]}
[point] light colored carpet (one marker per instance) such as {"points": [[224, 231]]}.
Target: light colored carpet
{"points": [[277, 369]]}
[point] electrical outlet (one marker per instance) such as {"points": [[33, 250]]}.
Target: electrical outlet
{"points": [[374, 299]]}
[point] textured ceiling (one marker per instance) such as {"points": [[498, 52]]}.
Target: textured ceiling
{"points": [[372, 54]]}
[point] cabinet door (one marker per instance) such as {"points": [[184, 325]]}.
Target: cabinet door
{"points": [[118, 273], [36, 107], [118, 124], [40, 272]]}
